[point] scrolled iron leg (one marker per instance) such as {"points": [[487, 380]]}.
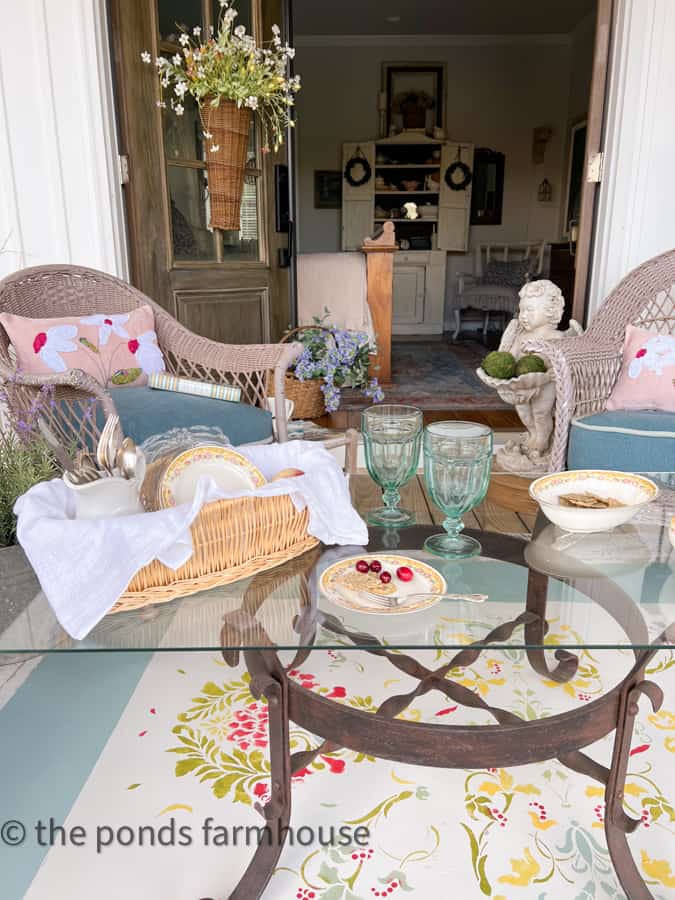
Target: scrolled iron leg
{"points": [[268, 678], [618, 824], [535, 632]]}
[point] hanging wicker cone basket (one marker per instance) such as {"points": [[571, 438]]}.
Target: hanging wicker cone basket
{"points": [[228, 126]]}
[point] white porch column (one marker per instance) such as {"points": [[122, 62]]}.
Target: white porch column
{"points": [[636, 213], [60, 193]]}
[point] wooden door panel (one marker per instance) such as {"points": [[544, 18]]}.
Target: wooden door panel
{"points": [[408, 294], [357, 223], [453, 228], [176, 258], [236, 315]]}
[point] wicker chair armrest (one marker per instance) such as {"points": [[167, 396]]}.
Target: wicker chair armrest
{"points": [[193, 349], [75, 379], [248, 365], [585, 369]]}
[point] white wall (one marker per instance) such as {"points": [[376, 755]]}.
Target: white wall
{"points": [[637, 196], [60, 197], [499, 90]]}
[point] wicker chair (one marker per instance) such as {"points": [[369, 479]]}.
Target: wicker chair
{"points": [[586, 367], [60, 290]]}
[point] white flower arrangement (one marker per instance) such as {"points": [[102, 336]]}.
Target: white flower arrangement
{"points": [[229, 66]]}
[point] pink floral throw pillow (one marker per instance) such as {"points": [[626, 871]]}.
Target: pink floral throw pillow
{"points": [[647, 376], [117, 349]]}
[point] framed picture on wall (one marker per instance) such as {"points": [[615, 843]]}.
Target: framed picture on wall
{"points": [[327, 189], [414, 97], [575, 174]]}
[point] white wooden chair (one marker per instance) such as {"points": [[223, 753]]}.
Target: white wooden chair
{"points": [[473, 292]]}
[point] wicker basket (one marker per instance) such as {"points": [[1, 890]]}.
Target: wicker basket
{"points": [[307, 396], [232, 539], [228, 126]]}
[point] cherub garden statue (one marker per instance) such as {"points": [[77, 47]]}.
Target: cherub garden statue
{"points": [[525, 380]]}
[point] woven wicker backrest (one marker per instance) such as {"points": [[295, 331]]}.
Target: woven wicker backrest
{"points": [[52, 291], [65, 290], [645, 297]]}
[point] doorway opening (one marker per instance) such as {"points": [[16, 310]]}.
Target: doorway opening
{"points": [[477, 115]]}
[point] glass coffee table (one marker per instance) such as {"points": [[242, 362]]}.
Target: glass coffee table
{"points": [[550, 599]]}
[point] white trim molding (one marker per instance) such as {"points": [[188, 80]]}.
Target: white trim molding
{"points": [[58, 142], [637, 194]]}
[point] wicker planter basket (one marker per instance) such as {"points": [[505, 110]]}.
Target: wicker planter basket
{"points": [[306, 395], [229, 126], [232, 539]]}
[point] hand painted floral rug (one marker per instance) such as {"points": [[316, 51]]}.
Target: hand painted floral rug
{"points": [[190, 748]]}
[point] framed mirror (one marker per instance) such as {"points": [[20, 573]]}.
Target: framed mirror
{"points": [[488, 187]]}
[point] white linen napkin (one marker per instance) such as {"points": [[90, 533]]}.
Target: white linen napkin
{"points": [[84, 565]]}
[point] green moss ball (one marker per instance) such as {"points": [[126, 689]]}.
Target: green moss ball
{"points": [[530, 363], [499, 364]]}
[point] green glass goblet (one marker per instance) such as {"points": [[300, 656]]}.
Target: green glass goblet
{"points": [[457, 465], [392, 436]]}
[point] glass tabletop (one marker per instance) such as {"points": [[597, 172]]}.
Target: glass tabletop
{"points": [[556, 590]]}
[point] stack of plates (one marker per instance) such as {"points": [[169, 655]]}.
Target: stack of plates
{"points": [[172, 479]]}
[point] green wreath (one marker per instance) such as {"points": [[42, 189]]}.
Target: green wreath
{"points": [[458, 166], [358, 160]]}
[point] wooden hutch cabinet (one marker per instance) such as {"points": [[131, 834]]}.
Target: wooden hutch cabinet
{"points": [[410, 168]]}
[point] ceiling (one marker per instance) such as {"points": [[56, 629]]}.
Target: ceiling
{"points": [[439, 16]]}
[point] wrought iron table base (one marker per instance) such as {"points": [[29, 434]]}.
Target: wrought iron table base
{"points": [[511, 742]]}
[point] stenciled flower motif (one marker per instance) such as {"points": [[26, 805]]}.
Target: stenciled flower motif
{"points": [[108, 325], [49, 344], [147, 352], [249, 727]]}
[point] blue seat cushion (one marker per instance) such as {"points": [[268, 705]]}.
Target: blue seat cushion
{"points": [[629, 440], [144, 411]]}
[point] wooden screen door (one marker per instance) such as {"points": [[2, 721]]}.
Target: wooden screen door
{"points": [[226, 285]]}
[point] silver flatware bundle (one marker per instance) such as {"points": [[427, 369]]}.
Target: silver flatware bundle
{"points": [[115, 454]]}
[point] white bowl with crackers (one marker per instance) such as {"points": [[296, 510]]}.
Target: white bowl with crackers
{"points": [[590, 500]]}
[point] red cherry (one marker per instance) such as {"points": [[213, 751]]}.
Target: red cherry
{"points": [[362, 566], [376, 566], [404, 573], [385, 577]]}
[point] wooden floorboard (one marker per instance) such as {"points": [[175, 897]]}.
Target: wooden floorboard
{"points": [[498, 419], [414, 495]]}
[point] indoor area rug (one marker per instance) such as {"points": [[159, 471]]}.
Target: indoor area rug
{"points": [[435, 375], [152, 763]]}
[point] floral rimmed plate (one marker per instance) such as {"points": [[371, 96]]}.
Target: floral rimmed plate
{"points": [[230, 470], [341, 583]]}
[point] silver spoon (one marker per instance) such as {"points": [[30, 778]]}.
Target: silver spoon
{"points": [[126, 458]]}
